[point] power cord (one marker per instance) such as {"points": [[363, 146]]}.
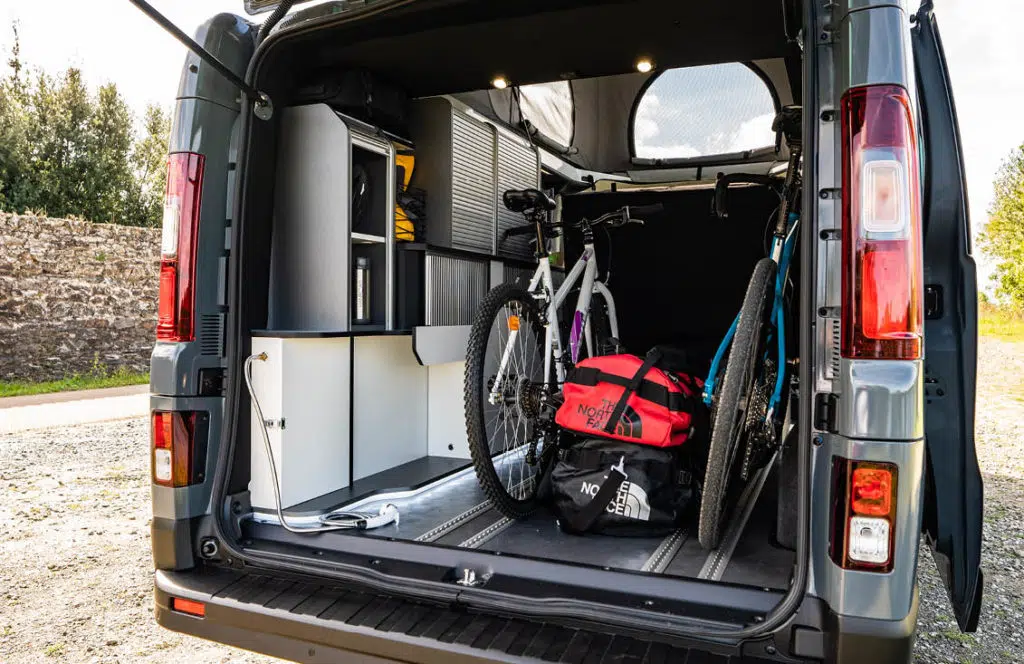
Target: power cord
{"points": [[337, 520]]}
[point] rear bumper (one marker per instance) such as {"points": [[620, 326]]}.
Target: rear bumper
{"points": [[303, 620], [851, 639]]}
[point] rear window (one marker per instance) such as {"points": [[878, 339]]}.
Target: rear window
{"points": [[702, 111]]}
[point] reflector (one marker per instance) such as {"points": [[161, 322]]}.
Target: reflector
{"points": [[189, 606]]}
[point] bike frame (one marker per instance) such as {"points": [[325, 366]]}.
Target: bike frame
{"points": [[781, 252], [541, 286]]}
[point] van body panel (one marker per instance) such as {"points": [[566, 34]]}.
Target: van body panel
{"points": [[881, 399], [860, 60], [881, 596]]}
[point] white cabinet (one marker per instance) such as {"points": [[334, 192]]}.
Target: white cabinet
{"points": [[303, 389]]}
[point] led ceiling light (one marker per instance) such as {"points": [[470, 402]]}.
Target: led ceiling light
{"points": [[499, 82], [644, 65]]}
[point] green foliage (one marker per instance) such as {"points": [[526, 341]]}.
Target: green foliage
{"points": [[1003, 237], [96, 378], [66, 151], [1000, 322]]}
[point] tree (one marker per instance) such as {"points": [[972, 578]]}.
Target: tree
{"points": [[109, 180], [1003, 237], [67, 151], [149, 158], [13, 127]]}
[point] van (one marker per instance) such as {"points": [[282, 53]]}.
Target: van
{"points": [[334, 219]]}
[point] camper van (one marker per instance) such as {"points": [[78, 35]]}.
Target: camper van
{"points": [[358, 189]]}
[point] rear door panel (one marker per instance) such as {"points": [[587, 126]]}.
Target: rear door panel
{"points": [[953, 490]]}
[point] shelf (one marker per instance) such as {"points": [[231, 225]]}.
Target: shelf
{"points": [[366, 238], [406, 477], [356, 331]]}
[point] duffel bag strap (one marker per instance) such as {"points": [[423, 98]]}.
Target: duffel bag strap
{"points": [[634, 384], [582, 520]]}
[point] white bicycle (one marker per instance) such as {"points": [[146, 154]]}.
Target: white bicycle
{"points": [[516, 361]]}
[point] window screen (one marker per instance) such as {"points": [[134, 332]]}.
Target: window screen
{"points": [[698, 111], [548, 107]]}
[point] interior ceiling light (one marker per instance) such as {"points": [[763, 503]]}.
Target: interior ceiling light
{"points": [[644, 65], [499, 82]]}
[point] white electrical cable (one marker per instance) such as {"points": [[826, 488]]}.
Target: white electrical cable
{"points": [[338, 520]]}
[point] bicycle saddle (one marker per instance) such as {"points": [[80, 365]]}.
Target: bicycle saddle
{"points": [[520, 200]]}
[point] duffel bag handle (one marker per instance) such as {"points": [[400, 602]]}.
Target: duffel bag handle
{"points": [[582, 520], [634, 384]]}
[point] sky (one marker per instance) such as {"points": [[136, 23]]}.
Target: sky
{"points": [[111, 40]]}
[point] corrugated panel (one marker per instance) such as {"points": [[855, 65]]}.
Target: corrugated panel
{"points": [[517, 169], [473, 185], [833, 349], [454, 288], [211, 334], [519, 273]]}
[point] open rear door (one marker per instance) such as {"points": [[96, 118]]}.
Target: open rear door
{"points": [[953, 491]]}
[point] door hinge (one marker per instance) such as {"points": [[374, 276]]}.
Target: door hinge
{"points": [[825, 404]]}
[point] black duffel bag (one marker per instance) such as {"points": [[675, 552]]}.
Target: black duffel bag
{"points": [[619, 488], [362, 95]]}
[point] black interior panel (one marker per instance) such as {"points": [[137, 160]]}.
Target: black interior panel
{"points": [[680, 278]]}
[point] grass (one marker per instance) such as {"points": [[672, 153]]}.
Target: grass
{"points": [[95, 379], [1000, 322]]}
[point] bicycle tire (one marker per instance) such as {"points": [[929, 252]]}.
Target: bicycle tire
{"points": [[479, 411], [728, 411]]}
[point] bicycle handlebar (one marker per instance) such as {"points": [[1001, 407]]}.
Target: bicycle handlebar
{"points": [[624, 215]]}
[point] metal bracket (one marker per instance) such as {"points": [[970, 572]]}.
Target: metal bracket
{"points": [[469, 578], [263, 108], [274, 424]]}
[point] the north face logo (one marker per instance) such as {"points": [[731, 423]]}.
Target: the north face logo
{"points": [[629, 425], [630, 500]]}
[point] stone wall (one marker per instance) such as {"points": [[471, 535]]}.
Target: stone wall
{"points": [[74, 295]]}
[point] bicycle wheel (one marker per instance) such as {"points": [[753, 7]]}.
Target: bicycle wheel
{"points": [[728, 413], [503, 430]]}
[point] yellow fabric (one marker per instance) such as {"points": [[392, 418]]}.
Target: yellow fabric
{"points": [[405, 230]]}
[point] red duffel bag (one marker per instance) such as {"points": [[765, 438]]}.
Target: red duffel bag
{"points": [[628, 398]]}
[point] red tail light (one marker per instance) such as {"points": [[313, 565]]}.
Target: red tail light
{"points": [[175, 320], [174, 437], [883, 283], [863, 514]]}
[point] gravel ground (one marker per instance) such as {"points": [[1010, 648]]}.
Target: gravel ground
{"points": [[75, 570]]}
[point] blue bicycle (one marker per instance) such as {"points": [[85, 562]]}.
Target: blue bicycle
{"points": [[747, 383]]}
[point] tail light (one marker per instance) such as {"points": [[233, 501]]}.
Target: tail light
{"points": [[176, 462], [863, 514], [882, 279], [175, 319]]}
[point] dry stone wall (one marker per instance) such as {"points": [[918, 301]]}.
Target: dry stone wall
{"points": [[74, 296]]}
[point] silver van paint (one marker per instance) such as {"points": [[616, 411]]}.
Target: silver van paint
{"points": [[873, 47], [869, 44], [881, 399], [868, 594]]}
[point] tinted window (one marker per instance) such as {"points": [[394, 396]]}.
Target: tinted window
{"points": [[697, 111], [548, 107]]}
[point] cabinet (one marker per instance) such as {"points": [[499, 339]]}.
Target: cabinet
{"points": [[334, 205]]}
